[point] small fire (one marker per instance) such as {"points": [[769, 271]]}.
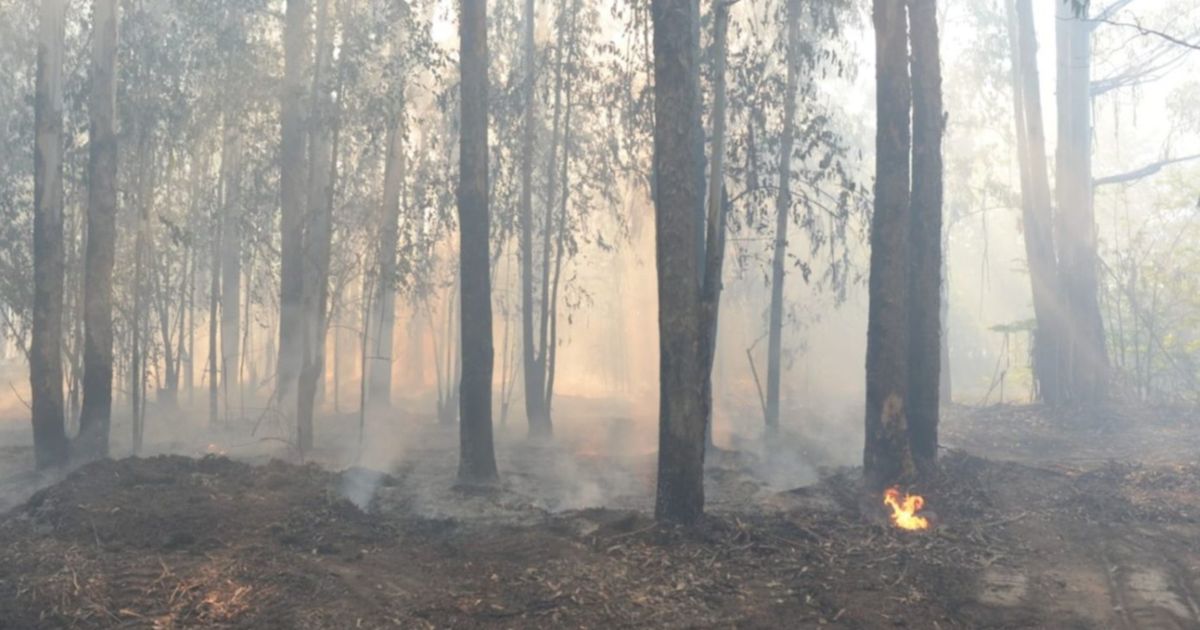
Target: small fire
{"points": [[904, 510], [213, 449]]}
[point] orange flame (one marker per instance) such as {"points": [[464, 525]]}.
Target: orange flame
{"points": [[904, 510]]}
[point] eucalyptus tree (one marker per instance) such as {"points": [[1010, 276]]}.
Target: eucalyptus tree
{"points": [[96, 412], [45, 352]]}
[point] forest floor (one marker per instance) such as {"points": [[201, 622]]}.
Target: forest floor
{"points": [[1082, 520]]}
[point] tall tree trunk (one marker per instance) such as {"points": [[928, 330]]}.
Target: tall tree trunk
{"points": [[533, 365], [318, 231], [384, 303], [214, 302], [477, 459], [96, 411], [717, 204], [887, 456], [925, 286], [293, 179], [1085, 353], [783, 208], [1036, 212], [45, 349], [679, 211], [231, 257], [139, 342]]}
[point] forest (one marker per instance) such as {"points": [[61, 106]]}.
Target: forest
{"points": [[599, 313]]}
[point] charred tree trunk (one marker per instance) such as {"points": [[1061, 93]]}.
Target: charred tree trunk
{"points": [[292, 182], [926, 233], [1085, 353], [477, 459], [214, 302], [45, 350], [887, 456], [318, 231], [384, 303], [96, 411], [679, 211], [783, 207]]}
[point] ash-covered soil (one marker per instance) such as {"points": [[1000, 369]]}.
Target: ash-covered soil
{"points": [[176, 542]]}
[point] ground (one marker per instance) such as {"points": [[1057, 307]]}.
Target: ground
{"points": [[1075, 520]]}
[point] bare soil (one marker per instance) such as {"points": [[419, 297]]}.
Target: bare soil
{"points": [[1052, 532]]}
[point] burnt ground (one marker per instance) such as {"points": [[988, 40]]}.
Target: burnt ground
{"points": [[1076, 520]]}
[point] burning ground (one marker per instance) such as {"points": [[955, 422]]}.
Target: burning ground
{"points": [[1035, 541]]}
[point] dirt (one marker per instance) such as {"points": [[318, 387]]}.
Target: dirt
{"points": [[1060, 538]]}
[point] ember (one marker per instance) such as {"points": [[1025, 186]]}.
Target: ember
{"points": [[904, 510]]}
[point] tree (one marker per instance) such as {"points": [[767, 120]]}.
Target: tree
{"points": [[96, 410], [1084, 351], [384, 319], [292, 192], [679, 203], [925, 293], [887, 456], [477, 458], [45, 351], [783, 209]]}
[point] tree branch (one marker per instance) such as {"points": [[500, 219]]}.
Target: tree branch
{"points": [[1143, 172], [1148, 31]]}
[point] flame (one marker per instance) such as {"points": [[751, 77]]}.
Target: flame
{"points": [[213, 449], [904, 510]]}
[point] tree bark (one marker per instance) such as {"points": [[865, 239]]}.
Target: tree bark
{"points": [[679, 212], [717, 210], [45, 349], [887, 456], [1037, 215], [783, 207], [384, 303], [477, 458], [1085, 352], [231, 257], [96, 410], [318, 231], [292, 182], [926, 233]]}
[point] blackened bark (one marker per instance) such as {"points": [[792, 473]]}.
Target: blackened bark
{"points": [[477, 458], [231, 257], [926, 233], [45, 349], [887, 455], [96, 410], [679, 212]]}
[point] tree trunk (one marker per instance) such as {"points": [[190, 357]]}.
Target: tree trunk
{"points": [[717, 205], [318, 232], [214, 302], [45, 350], [783, 207], [96, 411], [1035, 203], [533, 365], [887, 456], [384, 303], [679, 208], [925, 286], [1085, 353], [477, 459], [292, 181], [231, 257]]}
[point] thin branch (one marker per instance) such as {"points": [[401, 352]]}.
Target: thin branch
{"points": [[1143, 172], [1111, 10], [1148, 31]]}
